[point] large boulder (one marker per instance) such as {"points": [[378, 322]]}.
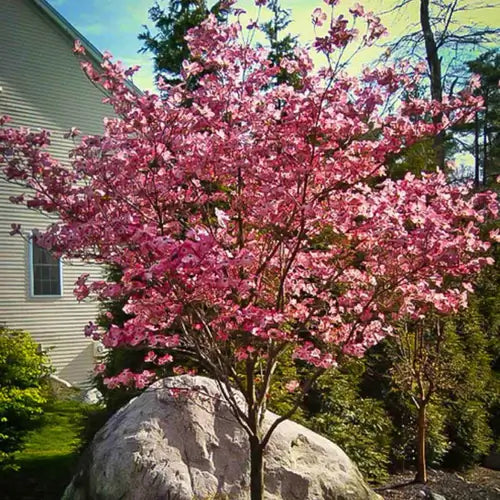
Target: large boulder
{"points": [[179, 441]]}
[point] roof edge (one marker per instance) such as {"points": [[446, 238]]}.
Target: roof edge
{"points": [[91, 50], [69, 29]]}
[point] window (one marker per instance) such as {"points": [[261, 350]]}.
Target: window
{"points": [[46, 272]]}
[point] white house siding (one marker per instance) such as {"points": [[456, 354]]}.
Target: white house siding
{"points": [[42, 86]]}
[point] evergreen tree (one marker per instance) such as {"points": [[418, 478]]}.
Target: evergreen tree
{"points": [[171, 24], [487, 125], [280, 44], [468, 404]]}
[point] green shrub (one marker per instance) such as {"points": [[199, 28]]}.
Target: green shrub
{"points": [[494, 407], [22, 368], [470, 401], [404, 443], [360, 426], [470, 434]]}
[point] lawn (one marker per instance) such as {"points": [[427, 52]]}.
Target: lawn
{"points": [[51, 452]]}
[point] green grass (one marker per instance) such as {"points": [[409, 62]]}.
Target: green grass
{"points": [[47, 462]]}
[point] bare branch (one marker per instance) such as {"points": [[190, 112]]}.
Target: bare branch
{"points": [[451, 11]]}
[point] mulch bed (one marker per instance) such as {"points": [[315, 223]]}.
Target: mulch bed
{"points": [[478, 484]]}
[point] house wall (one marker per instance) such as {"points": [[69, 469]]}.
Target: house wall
{"points": [[43, 87]]}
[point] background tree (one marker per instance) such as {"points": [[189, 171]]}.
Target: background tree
{"points": [[421, 370], [487, 123], [280, 43], [461, 414], [445, 37], [171, 24], [430, 361], [487, 303], [468, 398]]}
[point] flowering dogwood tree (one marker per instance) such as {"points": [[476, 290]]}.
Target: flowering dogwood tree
{"points": [[254, 221]]}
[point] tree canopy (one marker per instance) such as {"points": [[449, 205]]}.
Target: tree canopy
{"points": [[258, 224]]}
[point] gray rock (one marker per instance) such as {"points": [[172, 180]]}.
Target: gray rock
{"points": [[184, 446], [92, 396], [432, 495]]}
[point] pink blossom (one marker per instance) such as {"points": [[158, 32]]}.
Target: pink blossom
{"points": [[251, 229], [318, 17], [191, 68], [494, 235], [163, 360], [128, 378], [99, 368], [16, 200], [222, 218], [357, 10], [90, 329], [78, 47], [292, 385], [241, 354], [150, 357]]}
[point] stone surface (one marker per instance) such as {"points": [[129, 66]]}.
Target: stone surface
{"points": [[92, 397], [187, 445], [435, 496]]}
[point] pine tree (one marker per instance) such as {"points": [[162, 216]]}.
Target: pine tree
{"points": [[171, 24], [281, 45]]}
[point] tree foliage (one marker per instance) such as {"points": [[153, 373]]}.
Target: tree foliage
{"points": [[257, 224]]}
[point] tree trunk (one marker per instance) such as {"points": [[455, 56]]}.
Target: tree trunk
{"points": [[477, 157], [256, 469], [434, 63], [485, 140], [421, 476]]}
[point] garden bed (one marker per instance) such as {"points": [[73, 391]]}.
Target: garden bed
{"points": [[477, 484]]}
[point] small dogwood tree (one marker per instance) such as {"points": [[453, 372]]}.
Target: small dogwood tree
{"points": [[255, 221]]}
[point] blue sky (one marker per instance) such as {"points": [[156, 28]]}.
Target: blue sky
{"points": [[114, 25]]}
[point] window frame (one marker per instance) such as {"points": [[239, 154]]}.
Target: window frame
{"points": [[31, 271]]}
